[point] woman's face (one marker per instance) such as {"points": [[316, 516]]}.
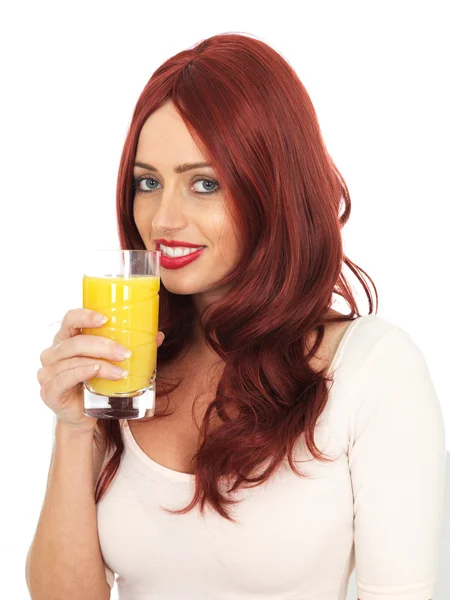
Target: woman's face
{"points": [[182, 207]]}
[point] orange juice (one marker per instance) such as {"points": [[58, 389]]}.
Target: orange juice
{"points": [[132, 306]]}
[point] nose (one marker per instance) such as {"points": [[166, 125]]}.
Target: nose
{"points": [[169, 216]]}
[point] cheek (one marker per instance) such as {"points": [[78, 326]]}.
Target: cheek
{"points": [[227, 241], [142, 218], [137, 211], [230, 237]]}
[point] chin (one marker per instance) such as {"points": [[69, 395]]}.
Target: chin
{"points": [[180, 287]]}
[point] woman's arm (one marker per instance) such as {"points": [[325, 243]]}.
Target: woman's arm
{"points": [[64, 560]]}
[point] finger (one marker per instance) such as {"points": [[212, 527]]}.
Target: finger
{"points": [[57, 386], [106, 370], [74, 320], [94, 346]]}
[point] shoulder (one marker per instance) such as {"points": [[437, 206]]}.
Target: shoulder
{"points": [[363, 336], [348, 342], [377, 354], [392, 378], [375, 342], [369, 329]]}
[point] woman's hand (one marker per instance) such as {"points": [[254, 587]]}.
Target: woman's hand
{"points": [[73, 358]]}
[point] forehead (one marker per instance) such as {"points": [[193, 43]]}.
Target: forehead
{"points": [[165, 137]]}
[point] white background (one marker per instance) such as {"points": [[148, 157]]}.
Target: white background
{"points": [[378, 76]]}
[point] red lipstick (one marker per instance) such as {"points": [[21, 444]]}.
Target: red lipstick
{"points": [[169, 262], [174, 244]]}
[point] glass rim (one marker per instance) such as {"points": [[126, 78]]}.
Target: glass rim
{"points": [[114, 262]]}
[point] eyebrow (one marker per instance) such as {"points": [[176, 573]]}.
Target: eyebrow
{"points": [[178, 169]]}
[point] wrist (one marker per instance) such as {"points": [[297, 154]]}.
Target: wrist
{"points": [[76, 430]]}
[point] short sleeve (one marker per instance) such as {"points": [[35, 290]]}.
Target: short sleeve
{"points": [[397, 464], [109, 575]]}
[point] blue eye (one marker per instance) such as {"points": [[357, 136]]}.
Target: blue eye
{"points": [[143, 180], [141, 185], [208, 182]]}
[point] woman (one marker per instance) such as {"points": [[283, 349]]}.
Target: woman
{"points": [[256, 374]]}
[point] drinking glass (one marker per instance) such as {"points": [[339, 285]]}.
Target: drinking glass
{"points": [[123, 285]]}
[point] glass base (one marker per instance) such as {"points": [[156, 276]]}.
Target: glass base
{"points": [[139, 406]]}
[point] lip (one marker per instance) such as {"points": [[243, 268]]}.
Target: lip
{"points": [[174, 244], [169, 262]]}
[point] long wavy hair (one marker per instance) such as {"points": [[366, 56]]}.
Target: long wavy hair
{"points": [[253, 120]]}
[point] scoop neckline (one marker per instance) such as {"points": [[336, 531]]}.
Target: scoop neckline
{"points": [[149, 462], [189, 477]]}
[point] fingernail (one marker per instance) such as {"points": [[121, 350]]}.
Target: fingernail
{"points": [[100, 319], [119, 372], [122, 354]]}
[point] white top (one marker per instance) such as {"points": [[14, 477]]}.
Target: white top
{"points": [[379, 505]]}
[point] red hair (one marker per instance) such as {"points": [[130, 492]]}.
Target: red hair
{"points": [[253, 120]]}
